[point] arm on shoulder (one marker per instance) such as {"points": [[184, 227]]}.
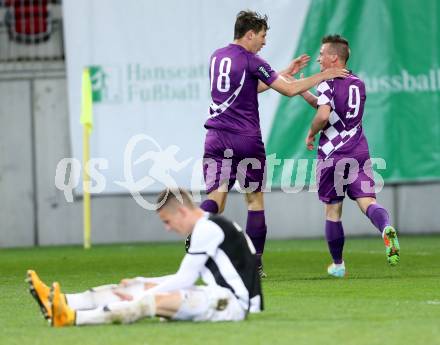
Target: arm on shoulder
{"points": [[292, 87], [310, 98]]}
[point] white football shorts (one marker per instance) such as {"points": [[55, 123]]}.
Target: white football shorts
{"points": [[209, 303]]}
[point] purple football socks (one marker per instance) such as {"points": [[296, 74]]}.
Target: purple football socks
{"points": [[256, 230], [334, 234], [378, 216], [209, 206]]}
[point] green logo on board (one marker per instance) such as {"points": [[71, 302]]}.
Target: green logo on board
{"points": [[106, 84]]}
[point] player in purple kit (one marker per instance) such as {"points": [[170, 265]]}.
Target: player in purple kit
{"points": [[344, 164], [233, 146]]}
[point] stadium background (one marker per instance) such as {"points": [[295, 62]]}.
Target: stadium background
{"points": [[395, 45]]}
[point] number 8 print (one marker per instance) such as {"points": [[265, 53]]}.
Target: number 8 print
{"points": [[223, 80]]}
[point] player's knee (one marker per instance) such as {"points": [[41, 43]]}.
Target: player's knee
{"points": [[333, 212], [160, 300], [333, 217], [128, 312], [255, 201], [364, 203], [221, 206]]}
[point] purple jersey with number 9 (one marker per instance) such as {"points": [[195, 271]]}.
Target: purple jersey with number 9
{"points": [[343, 133], [234, 75]]}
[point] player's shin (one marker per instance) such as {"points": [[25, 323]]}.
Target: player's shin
{"points": [[256, 230], [334, 234], [379, 216], [119, 312], [93, 298], [103, 295]]}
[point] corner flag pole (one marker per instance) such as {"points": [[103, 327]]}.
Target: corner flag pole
{"points": [[86, 120]]}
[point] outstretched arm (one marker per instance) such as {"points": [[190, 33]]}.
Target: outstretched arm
{"points": [[318, 123], [291, 87], [262, 86], [185, 277], [294, 67], [310, 98]]}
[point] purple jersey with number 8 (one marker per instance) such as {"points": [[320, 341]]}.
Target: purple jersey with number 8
{"points": [[234, 75]]}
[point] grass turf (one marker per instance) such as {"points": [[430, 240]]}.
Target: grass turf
{"points": [[375, 304]]}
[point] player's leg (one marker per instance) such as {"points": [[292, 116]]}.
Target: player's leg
{"points": [[256, 227], [215, 190], [331, 193], [377, 214], [92, 298], [215, 201], [103, 295], [198, 303], [201, 303], [219, 172], [178, 305], [334, 234], [195, 304], [251, 163], [362, 190], [115, 312], [380, 218], [89, 299]]}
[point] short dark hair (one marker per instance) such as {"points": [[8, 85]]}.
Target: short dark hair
{"points": [[174, 197], [339, 45], [249, 20]]}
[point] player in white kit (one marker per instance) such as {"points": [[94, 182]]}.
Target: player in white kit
{"points": [[219, 253]]}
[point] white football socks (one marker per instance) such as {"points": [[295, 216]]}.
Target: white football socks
{"points": [[102, 295], [119, 312]]}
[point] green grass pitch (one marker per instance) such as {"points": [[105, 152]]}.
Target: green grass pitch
{"points": [[375, 304]]}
